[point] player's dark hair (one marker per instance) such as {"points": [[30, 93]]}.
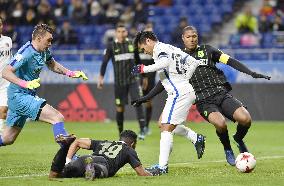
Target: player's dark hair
{"points": [[142, 36], [40, 30], [128, 136], [189, 28], [120, 25]]}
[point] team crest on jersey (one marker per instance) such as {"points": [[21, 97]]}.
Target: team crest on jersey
{"points": [[200, 54], [19, 57], [130, 48]]}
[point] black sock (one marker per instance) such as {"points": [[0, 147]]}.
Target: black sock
{"points": [[241, 132], [141, 117], [148, 115], [59, 159], [224, 138], [119, 121]]}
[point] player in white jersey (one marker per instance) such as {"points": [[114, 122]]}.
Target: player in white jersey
{"points": [[174, 68], [5, 55]]}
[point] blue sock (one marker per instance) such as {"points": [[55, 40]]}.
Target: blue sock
{"points": [[58, 128], [1, 141]]}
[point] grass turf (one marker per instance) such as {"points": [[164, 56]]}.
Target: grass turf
{"points": [[27, 161]]}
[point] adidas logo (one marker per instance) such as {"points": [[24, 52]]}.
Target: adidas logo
{"points": [[80, 105]]}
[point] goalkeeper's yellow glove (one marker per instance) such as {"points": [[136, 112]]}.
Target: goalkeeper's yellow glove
{"points": [[30, 84], [77, 74]]}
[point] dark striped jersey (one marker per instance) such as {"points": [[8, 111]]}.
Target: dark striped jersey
{"points": [[117, 153], [123, 60], [207, 80]]}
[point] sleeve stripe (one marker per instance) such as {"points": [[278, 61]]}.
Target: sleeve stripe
{"points": [[224, 58], [13, 62]]}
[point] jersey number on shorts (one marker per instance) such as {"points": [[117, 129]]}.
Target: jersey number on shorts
{"points": [[110, 149]]}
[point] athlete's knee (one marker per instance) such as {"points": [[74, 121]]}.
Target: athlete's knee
{"points": [[119, 109], [3, 112], [219, 123], [8, 140], [243, 117], [58, 117]]}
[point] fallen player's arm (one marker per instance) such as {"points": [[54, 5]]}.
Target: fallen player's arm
{"points": [[84, 143], [141, 171]]}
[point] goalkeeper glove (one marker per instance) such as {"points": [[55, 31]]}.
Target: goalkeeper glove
{"points": [[77, 74], [30, 84], [137, 69], [256, 75]]}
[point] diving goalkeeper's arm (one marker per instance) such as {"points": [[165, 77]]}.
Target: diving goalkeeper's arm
{"points": [[155, 91]]}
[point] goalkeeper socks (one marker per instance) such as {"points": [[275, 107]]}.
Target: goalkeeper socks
{"points": [[1, 141], [241, 132], [148, 115], [58, 128], [141, 117], [166, 144], [119, 121], [224, 138], [59, 159], [184, 131]]}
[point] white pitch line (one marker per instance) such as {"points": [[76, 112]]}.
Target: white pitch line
{"points": [[172, 164]]}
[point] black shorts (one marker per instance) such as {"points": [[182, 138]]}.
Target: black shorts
{"points": [[222, 102], [151, 82], [122, 92]]}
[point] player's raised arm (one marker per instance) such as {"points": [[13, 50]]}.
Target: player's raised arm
{"points": [[58, 68], [236, 64], [84, 143]]}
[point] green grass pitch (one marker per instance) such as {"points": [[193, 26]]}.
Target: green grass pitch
{"points": [[27, 161]]}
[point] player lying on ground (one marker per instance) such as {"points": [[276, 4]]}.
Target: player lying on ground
{"points": [[174, 67], [213, 101], [23, 73], [107, 157]]}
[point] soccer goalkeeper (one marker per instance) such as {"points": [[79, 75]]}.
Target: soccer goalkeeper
{"points": [[23, 73]]}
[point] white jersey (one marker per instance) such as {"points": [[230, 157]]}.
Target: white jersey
{"points": [[174, 67], [5, 56]]}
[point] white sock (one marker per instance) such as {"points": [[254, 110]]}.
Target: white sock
{"points": [[2, 122], [182, 130], [166, 144]]}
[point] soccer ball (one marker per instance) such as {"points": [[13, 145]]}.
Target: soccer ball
{"points": [[245, 162]]}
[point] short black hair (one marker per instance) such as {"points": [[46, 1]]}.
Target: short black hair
{"points": [[189, 28], [142, 36], [120, 25], [40, 30], [128, 136]]}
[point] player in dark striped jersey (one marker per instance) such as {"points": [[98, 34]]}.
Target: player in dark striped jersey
{"points": [[122, 54], [107, 157]]}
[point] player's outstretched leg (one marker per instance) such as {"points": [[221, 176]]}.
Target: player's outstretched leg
{"points": [[197, 139], [51, 115], [224, 138], [242, 116]]}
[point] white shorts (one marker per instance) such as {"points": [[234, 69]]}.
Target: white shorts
{"points": [[3, 92], [177, 107]]}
